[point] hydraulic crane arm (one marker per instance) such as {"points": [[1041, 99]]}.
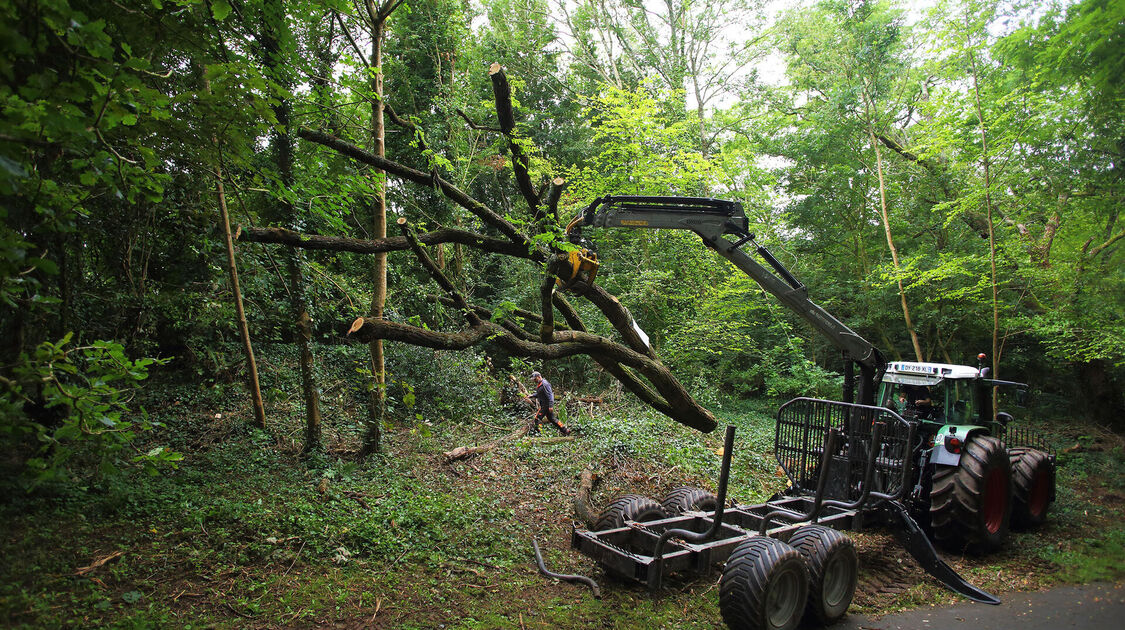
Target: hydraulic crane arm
{"points": [[713, 220]]}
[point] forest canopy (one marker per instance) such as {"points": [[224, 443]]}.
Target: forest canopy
{"points": [[947, 181]]}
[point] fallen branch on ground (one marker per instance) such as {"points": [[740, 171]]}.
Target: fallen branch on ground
{"points": [[552, 440], [98, 562], [462, 452], [583, 508]]}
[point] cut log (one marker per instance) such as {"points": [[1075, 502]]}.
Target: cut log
{"points": [[583, 506]]}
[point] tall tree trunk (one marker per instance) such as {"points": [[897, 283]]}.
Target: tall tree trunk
{"points": [[373, 436], [243, 326], [274, 34], [991, 233], [232, 267], [887, 227]]}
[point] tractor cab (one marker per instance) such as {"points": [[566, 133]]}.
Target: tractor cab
{"points": [[937, 393], [942, 394]]}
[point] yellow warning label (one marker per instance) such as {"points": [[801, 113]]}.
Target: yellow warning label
{"points": [[634, 223]]}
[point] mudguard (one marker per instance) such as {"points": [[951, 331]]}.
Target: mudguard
{"points": [[944, 456]]}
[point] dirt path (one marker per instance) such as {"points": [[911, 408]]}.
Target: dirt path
{"points": [[1089, 607]]}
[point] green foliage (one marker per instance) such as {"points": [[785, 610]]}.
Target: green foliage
{"points": [[644, 148], [73, 402]]}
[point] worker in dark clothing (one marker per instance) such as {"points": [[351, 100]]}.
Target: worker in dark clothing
{"points": [[545, 396], [919, 398]]}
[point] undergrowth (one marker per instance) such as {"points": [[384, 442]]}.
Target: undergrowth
{"points": [[247, 532]]}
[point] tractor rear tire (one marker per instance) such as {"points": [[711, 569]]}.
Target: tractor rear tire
{"points": [[1033, 486], [971, 503], [689, 499], [764, 586], [833, 571], [628, 507]]}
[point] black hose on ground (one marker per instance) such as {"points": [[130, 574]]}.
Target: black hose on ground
{"points": [[566, 578]]}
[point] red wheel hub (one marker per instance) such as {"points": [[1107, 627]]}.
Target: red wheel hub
{"points": [[995, 500]]}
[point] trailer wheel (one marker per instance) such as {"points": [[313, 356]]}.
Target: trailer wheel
{"points": [[1033, 486], [689, 499], [764, 586], [971, 503], [833, 571], [628, 507]]}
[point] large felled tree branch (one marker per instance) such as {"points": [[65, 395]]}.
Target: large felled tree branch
{"points": [[675, 401], [380, 245], [633, 363]]}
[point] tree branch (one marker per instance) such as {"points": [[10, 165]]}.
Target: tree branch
{"points": [[405, 124], [546, 291], [1100, 248], [475, 126], [502, 94], [617, 315], [283, 236], [355, 47], [554, 194], [484, 313], [453, 193], [436, 274]]}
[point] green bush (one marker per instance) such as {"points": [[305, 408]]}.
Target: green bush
{"points": [[67, 409]]}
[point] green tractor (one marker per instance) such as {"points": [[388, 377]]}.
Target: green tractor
{"points": [[978, 471]]}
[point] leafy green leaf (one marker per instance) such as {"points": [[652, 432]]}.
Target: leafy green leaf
{"points": [[132, 597], [220, 9]]}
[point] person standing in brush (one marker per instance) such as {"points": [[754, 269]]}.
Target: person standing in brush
{"points": [[545, 396]]}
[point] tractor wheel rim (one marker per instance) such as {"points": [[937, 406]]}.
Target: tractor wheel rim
{"points": [[995, 500], [782, 600], [837, 579], [1040, 494]]}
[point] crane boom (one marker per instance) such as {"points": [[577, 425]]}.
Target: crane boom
{"points": [[715, 219]]}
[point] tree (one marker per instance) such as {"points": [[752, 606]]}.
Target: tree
{"points": [[631, 360], [692, 47], [853, 70]]}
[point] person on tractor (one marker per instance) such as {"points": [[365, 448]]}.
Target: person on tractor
{"points": [[920, 399], [545, 396]]}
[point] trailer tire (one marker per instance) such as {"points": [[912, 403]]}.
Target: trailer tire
{"points": [[1033, 486], [628, 507], [689, 499], [764, 586], [833, 571], [971, 503]]}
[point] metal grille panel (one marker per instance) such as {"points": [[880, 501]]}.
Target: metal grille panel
{"points": [[801, 430], [1015, 435]]}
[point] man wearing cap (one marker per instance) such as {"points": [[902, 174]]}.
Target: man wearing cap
{"points": [[545, 396]]}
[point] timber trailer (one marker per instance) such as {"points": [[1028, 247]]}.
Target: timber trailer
{"points": [[921, 453]]}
